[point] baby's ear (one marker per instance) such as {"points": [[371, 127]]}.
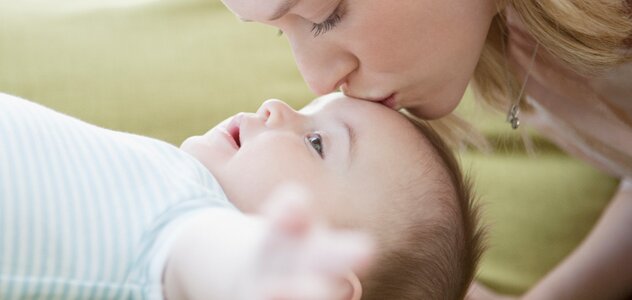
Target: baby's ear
{"points": [[350, 287]]}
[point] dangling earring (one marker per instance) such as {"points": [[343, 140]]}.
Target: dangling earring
{"points": [[514, 109]]}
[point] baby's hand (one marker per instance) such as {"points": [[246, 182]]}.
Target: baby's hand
{"points": [[302, 258], [282, 254]]}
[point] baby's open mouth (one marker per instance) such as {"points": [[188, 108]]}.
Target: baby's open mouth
{"points": [[233, 129]]}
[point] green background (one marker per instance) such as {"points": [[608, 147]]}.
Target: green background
{"points": [[174, 68]]}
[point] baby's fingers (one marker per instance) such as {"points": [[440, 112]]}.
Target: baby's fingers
{"points": [[288, 211], [337, 252]]}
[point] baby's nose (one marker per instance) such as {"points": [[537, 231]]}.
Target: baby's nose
{"points": [[277, 113]]}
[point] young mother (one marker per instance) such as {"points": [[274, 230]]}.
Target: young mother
{"points": [[565, 63]]}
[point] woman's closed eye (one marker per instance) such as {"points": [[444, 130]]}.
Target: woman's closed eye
{"points": [[330, 22], [315, 140]]}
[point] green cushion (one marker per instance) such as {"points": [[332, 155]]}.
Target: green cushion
{"points": [[171, 69]]}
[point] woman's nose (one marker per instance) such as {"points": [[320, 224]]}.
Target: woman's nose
{"points": [[324, 64], [277, 113]]}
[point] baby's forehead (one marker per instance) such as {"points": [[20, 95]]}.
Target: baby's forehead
{"points": [[381, 134], [319, 104], [346, 108]]}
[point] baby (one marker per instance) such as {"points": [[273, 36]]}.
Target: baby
{"points": [[123, 216]]}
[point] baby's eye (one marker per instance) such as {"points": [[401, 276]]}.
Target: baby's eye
{"points": [[316, 141]]}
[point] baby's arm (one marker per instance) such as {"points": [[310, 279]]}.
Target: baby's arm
{"points": [[280, 255], [599, 268]]}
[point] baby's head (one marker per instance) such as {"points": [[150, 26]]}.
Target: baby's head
{"points": [[368, 168]]}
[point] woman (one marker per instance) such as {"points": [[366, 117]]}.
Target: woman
{"points": [[566, 65]]}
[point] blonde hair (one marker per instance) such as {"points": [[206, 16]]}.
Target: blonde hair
{"points": [[436, 258], [589, 36]]}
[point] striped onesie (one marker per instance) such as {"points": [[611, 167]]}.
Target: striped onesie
{"points": [[86, 212]]}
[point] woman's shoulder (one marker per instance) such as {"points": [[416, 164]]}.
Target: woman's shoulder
{"points": [[615, 85]]}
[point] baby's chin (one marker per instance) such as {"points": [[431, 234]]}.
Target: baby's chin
{"points": [[198, 147], [243, 201]]}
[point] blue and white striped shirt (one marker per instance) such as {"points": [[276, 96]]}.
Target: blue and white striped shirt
{"points": [[86, 212]]}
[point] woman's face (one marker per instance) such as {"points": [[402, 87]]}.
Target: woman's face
{"points": [[421, 52]]}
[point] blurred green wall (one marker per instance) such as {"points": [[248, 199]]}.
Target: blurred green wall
{"points": [[168, 69]]}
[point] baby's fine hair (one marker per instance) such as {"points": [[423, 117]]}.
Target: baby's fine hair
{"points": [[433, 257]]}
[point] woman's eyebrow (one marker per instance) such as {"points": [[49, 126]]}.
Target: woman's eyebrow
{"points": [[282, 9]]}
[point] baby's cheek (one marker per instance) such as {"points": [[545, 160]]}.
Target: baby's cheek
{"points": [[269, 161]]}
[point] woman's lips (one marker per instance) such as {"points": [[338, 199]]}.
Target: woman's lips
{"points": [[390, 101]]}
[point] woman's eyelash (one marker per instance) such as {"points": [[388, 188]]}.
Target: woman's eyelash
{"points": [[316, 141], [329, 24]]}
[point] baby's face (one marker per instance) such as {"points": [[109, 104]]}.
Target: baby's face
{"points": [[349, 154]]}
